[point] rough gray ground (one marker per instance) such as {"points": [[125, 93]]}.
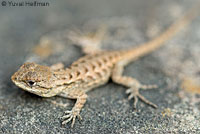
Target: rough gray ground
{"points": [[107, 110]]}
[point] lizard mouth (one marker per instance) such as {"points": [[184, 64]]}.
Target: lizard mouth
{"points": [[35, 90]]}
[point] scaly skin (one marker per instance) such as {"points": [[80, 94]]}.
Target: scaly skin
{"points": [[92, 70]]}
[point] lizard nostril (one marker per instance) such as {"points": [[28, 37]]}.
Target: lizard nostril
{"points": [[13, 77]]}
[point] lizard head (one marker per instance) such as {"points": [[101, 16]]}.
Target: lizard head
{"points": [[34, 78]]}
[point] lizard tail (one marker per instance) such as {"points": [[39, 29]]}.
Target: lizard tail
{"points": [[158, 41]]}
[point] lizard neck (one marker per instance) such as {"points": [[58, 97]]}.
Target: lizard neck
{"points": [[63, 77]]}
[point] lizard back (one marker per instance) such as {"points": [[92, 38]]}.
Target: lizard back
{"points": [[94, 69]]}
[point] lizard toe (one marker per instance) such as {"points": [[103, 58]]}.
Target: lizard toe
{"points": [[70, 116], [134, 93]]}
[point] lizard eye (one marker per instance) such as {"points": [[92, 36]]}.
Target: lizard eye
{"points": [[31, 83]]}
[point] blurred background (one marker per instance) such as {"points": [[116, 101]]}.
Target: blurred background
{"points": [[39, 34]]}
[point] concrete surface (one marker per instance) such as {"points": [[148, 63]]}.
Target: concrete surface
{"points": [[175, 67]]}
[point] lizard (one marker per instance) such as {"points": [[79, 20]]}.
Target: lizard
{"points": [[92, 70]]}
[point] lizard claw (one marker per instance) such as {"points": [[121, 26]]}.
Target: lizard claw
{"points": [[134, 93], [71, 116]]}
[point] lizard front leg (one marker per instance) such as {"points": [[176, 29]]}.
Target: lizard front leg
{"points": [[133, 84], [80, 97]]}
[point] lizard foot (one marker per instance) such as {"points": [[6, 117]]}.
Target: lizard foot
{"points": [[134, 93], [71, 115]]}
